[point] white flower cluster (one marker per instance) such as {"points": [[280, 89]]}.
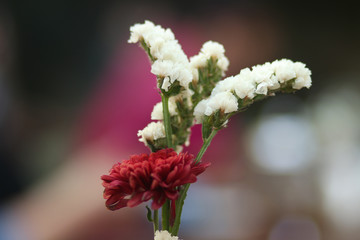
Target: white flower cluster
{"points": [[224, 101], [170, 61], [209, 50], [164, 235], [249, 83], [286, 69], [153, 131]]}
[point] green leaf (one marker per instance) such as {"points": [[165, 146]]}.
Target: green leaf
{"points": [[148, 215]]}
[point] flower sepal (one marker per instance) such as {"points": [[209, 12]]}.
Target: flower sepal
{"points": [[174, 89], [215, 121], [156, 145]]}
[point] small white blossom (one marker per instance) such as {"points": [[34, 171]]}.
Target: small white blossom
{"points": [[303, 74], [265, 77], [223, 64], [262, 78], [170, 50], [262, 88], [138, 30], [284, 70], [226, 85], [224, 101], [157, 113], [199, 111], [213, 49], [216, 50], [245, 84], [170, 61], [153, 131], [198, 61], [209, 50], [164, 235], [166, 83], [162, 68]]}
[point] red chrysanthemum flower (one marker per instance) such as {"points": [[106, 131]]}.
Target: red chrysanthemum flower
{"points": [[143, 177]]}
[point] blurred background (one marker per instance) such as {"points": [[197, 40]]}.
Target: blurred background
{"points": [[73, 94]]}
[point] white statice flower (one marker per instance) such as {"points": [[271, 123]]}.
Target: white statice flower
{"points": [[303, 74], [225, 85], [139, 30], [170, 61], [171, 71], [164, 235], [262, 78], [224, 101], [284, 70], [162, 68], [210, 49], [179, 148], [157, 113], [153, 35], [170, 50], [262, 88], [213, 49], [199, 110], [251, 82], [245, 85], [223, 64], [153, 131], [196, 62], [265, 77], [216, 50]]}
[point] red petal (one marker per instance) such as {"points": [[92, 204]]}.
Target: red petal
{"points": [[173, 195], [107, 178], [199, 168], [158, 201], [135, 200], [132, 182], [154, 184], [115, 202], [148, 195], [172, 174]]}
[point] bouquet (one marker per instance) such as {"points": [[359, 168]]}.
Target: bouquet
{"points": [[193, 91]]}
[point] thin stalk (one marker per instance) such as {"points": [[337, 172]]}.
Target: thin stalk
{"points": [[156, 220], [205, 145], [165, 218], [178, 211], [183, 192], [167, 123]]}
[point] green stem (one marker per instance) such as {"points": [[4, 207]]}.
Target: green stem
{"points": [[179, 207], [165, 218], [205, 145], [168, 133], [167, 123], [156, 220], [183, 192]]}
